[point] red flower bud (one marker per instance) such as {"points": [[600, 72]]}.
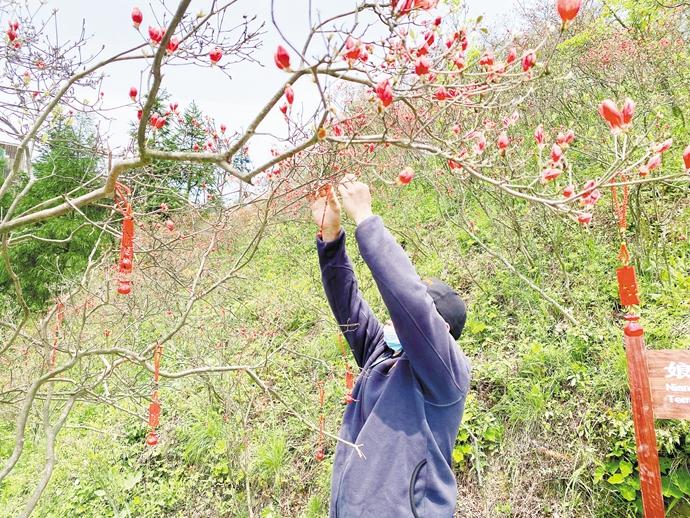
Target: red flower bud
{"points": [[654, 162], [664, 146], [628, 111], [133, 92], [384, 92], [215, 55], [539, 135], [556, 153], [405, 176], [686, 159], [550, 174], [173, 44], [282, 58], [512, 55], [137, 17], [569, 191], [170, 225], [156, 34], [289, 94], [529, 59], [503, 141], [283, 108], [223, 128], [568, 9], [584, 218]]}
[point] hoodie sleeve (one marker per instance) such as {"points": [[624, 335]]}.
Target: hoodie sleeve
{"points": [[358, 323], [438, 363]]}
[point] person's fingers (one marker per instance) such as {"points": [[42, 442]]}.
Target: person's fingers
{"points": [[333, 202]]}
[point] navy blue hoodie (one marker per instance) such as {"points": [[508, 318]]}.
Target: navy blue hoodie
{"points": [[408, 406]]}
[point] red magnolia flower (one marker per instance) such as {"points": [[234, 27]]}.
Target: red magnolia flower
{"points": [[173, 44], [215, 55], [196, 147], [223, 128], [441, 94], [512, 55], [421, 66], [556, 153], [452, 164], [174, 106], [591, 198], [539, 136], [663, 147], [686, 159], [609, 111], [550, 174], [289, 94], [156, 34], [459, 61], [503, 141], [569, 191], [384, 91], [405, 176], [137, 17], [568, 9], [282, 58], [584, 218], [11, 34], [479, 146], [588, 187], [487, 59], [133, 93], [654, 162], [353, 48], [283, 108], [529, 59], [425, 4], [643, 170], [429, 38], [628, 111], [170, 225]]}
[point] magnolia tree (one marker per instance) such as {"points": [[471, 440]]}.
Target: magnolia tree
{"points": [[388, 76]]}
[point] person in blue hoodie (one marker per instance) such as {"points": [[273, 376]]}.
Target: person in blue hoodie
{"points": [[410, 394]]}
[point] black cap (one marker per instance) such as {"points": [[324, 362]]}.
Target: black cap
{"points": [[448, 303]]}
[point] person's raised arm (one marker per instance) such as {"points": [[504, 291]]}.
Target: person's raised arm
{"points": [[438, 363], [360, 327]]}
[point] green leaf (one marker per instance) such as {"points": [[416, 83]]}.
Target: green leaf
{"points": [[627, 492], [616, 479], [625, 467], [682, 480]]}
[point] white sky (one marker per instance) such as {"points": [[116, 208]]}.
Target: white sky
{"points": [[233, 102]]}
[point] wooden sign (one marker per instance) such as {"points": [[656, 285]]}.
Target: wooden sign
{"points": [[669, 382]]}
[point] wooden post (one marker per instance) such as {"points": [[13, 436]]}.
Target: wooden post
{"points": [[643, 419]]}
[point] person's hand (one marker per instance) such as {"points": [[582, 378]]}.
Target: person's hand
{"points": [[326, 200], [356, 198]]}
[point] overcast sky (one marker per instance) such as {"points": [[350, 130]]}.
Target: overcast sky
{"points": [[233, 102]]}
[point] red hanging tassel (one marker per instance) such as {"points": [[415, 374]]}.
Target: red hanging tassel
{"points": [[57, 328], [155, 405], [349, 376], [124, 286], [319, 450]]}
